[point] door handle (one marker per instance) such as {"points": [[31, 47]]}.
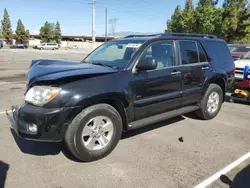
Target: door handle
{"points": [[205, 67], [175, 72]]}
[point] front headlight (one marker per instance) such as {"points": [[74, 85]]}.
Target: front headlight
{"points": [[40, 95]]}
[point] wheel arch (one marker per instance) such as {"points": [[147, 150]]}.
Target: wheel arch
{"points": [[220, 81], [116, 100]]}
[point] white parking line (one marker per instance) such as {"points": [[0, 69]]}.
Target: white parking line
{"points": [[1, 113], [223, 171], [15, 82]]}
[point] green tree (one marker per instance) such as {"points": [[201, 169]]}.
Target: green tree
{"points": [[208, 2], [6, 26], [175, 24], [236, 21], [206, 17], [50, 32], [45, 32], [230, 22], [188, 17], [27, 33], [20, 32], [58, 33]]}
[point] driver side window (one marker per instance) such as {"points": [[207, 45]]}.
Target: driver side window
{"points": [[162, 52]]}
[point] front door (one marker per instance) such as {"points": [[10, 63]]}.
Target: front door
{"points": [[195, 68], [157, 91]]}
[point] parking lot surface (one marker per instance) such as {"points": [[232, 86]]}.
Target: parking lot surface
{"points": [[152, 156]]}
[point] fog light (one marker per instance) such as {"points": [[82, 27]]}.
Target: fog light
{"points": [[32, 128]]}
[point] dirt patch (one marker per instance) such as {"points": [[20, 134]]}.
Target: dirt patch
{"points": [[17, 77]]}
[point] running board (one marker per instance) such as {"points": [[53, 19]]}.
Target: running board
{"points": [[161, 117]]}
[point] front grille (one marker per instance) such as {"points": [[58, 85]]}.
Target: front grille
{"points": [[239, 73]]}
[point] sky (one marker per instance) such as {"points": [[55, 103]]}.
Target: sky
{"points": [[75, 16]]}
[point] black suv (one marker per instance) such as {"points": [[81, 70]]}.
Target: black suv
{"points": [[123, 84]]}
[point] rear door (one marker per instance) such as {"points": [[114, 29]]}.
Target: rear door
{"points": [[157, 91], [194, 68]]}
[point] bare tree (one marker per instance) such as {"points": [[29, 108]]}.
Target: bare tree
{"points": [[112, 23]]}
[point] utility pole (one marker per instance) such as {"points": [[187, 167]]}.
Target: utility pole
{"points": [[106, 24], [93, 21]]}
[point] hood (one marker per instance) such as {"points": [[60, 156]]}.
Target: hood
{"points": [[42, 70], [242, 63]]}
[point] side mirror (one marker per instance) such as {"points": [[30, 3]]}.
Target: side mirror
{"points": [[146, 63]]}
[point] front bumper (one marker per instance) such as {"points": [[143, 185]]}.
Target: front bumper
{"points": [[51, 123]]}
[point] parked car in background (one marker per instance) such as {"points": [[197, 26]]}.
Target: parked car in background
{"points": [[238, 51], [21, 46], [122, 85], [47, 46]]}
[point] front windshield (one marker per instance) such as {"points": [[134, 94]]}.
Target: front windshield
{"points": [[114, 54], [241, 49]]}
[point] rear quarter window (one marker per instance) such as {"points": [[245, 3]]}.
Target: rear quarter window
{"points": [[218, 54]]}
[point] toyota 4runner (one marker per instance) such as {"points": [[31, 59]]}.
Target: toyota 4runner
{"points": [[123, 84]]}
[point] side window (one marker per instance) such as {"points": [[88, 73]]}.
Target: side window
{"points": [[162, 52], [189, 52], [202, 55]]}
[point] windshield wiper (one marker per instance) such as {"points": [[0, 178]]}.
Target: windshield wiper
{"points": [[104, 65], [101, 64]]}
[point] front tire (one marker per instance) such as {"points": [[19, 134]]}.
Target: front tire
{"points": [[211, 102], [94, 133]]}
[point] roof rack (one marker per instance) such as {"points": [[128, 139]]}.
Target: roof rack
{"points": [[190, 35], [175, 34], [150, 35]]}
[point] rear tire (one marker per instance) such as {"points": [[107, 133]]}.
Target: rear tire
{"points": [[211, 102], [84, 137]]}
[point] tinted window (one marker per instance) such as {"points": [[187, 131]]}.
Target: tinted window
{"points": [[218, 54], [189, 52], [163, 53], [202, 55]]}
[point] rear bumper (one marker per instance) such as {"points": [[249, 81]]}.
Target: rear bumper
{"points": [[51, 123]]}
